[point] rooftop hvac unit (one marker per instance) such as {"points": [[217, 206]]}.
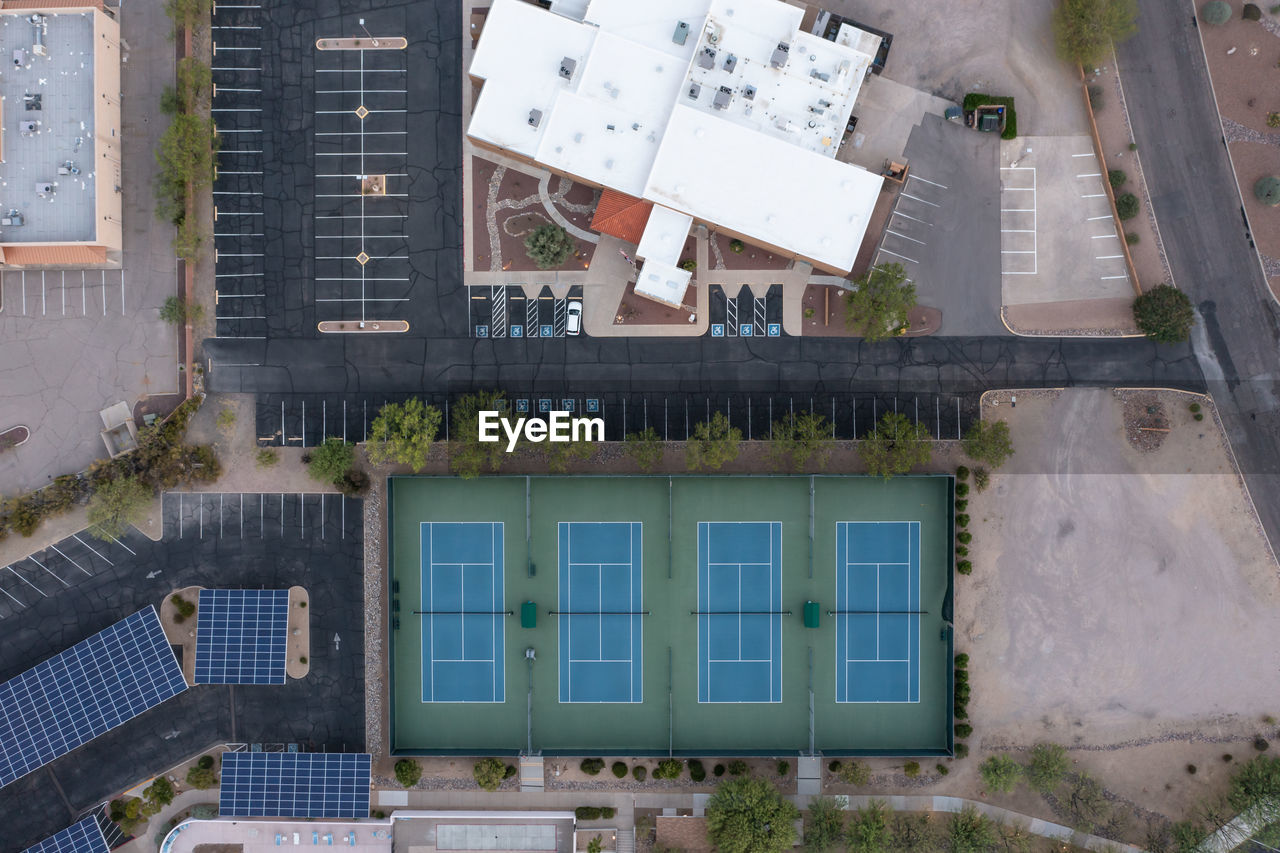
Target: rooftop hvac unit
{"points": [[707, 59], [38, 22], [681, 34], [779, 57], [730, 63], [723, 96], [13, 217], [567, 67], [44, 188], [535, 118], [819, 75], [32, 102], [27, 127], [695, 89], [749, 92]]}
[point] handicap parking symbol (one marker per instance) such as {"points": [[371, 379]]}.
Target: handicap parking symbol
{"points": [[717, 330], [517, 331], [522, 405], [593, 405], [544, 405], [546, 331], [566, 405], [775, 330], [482, 331], [746, 331]]}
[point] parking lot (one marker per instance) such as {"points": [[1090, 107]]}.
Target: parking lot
{"points": [[360, 129], [506, 311], [64, 293], [745, 315], [1058, 239], [238, 236], [89, 585]]}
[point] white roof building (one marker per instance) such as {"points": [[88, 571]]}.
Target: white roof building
{"points": [[720, 111]]}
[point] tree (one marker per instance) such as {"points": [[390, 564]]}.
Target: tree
{"points": [[988, 441], [1117, 178], [645, 447], [116, 504], [971, 832], [548, 246], [824, 828], [1048, 767], [195, 84], [1164, 314], [1126, 206], [1086, 29], [188, 13], [489, 773], [1267, 189], [877, 306], [559, 454], [1000, 773], [749, 816], [714, 443], [331, 460], [855, 773], [187, 150], [403, 433], [911, 831], [595, 845], [1215, 12], [1086, 803], [468, 456], [408, 772], [869, 828], [177, 311], [894, 446], [202, 778], [798, 438]]}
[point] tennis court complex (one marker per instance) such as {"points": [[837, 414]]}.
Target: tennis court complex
{"points": [[758, 615]]}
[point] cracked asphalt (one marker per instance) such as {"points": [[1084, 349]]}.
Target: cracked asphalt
{"points": [[266, 542]]}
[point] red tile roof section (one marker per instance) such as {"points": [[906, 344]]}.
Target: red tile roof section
{"points": [[620, 215]]}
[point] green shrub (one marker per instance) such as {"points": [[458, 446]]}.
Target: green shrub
{"points": [[201, 778], [736, 246], [1191, 770], [833, 766], [1267, 190], [639, 772], [206, 762], [408, 772], [962, 473], [1000, 773], [963, 692], [669, 768], [962, 489], [331, 460], [971, 832], [548, 246], [266, 457], [981, 479], [587, 813], [1251, 12], [963, 730], [620, 769], [965, 537], [696, 771], [1132, 239], [962, 676], [1198, 416], [688, 265], [592, 766], [1048, 767], [962, 661], [1193, 408], [962, 750], [1215, 12], [960, 711], [1126, 206], [784, 767], [942, 769], [608, 812], [718, 770], [856, 773], [1116, 178], [962, 550], [489, 773], [962, 520], [964, 567], [1164, 314], [988, 441], [911, 769], [118, 504], [962, 504], [738, 767], [1260, 744]]}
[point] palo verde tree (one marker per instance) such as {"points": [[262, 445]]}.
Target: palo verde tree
{"points": [[877, 306], [748, 815], [116, 504], [403, 433], [645, 447], [988, 441], [1164, 314], [894, 445], [1085, 29], [798, 439], [713, 443], [468, 456]]}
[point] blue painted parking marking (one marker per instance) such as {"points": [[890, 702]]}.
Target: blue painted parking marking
{"points": [[544, 404], [746, 331], [717, 330], [593, 405], [566, 405], [482, 331], [775, 330], [522, 405], [547, 330], [517, 331]]}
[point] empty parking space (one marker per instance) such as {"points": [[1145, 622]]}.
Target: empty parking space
{"points": [[65, 293], [1058, 237], [235, 515], [59, 567], [238, 231], [361, 105]]}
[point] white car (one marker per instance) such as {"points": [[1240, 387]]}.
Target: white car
{"points": [[573, 322]]}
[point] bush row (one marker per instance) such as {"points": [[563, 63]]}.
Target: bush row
{"points": [[962, 730]]}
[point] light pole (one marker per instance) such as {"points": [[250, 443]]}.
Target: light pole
{"points": [[369, 34]]}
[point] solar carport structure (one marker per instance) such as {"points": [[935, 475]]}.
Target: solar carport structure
{"points": [[241, 636], [84, 836], [87, 690], [328, 785]]}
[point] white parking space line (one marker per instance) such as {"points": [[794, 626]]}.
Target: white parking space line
{"points": [[904, 237], [1105, 237], [1096, 218], [912, 218], [1095, 195], [1091, 175], [1090, 154], [917, 198], [896, 255], [1106, 257], [926, 180], [1007, 255]]}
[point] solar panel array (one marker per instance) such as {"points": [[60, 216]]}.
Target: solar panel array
{"points": [[92, 687], [84, 836], [241, 636], [295, 784]]}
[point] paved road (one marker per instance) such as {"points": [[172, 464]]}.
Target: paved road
{"points": [[1192, 188]]}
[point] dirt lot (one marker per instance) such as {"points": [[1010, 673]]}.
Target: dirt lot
{"points": [[1123, 603]]}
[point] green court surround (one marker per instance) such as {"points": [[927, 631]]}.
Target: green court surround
{"points": [[670, 719]]}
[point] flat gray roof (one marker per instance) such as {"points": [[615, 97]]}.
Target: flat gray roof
{"points": [[62, 82]]}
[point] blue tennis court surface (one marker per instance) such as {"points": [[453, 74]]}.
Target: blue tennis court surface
{"points": [[739, 611], [601, 630], [463, 628], [877, 611]]}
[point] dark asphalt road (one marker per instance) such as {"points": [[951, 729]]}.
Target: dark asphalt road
{"points": [[1201, 223]]}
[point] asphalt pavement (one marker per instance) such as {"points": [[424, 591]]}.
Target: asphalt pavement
{"points": [[1197, 205]]}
